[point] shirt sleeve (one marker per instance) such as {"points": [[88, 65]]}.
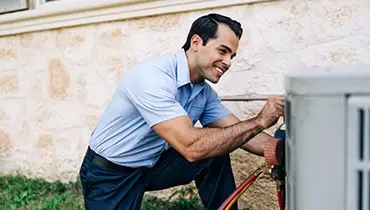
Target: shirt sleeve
{"points": [[214, 109], [153, 93]]}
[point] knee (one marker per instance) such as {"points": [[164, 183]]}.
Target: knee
{"points": [[221, 160]]}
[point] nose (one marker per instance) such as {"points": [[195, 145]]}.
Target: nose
{"points": [[227, 61]]}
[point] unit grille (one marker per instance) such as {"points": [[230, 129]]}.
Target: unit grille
{"points": [[358, 151]]}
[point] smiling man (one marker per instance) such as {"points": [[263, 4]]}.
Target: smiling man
{"points": [[146, 139]]}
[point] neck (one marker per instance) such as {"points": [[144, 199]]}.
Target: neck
{"points": [[193, 71]]}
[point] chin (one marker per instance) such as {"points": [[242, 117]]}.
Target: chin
{"points": [[212, 78], [214, 81]]}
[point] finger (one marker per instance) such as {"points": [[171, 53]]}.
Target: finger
{"points": [[277, 97], [280, 102], [280, 110], [280, 106], [282, 113]]}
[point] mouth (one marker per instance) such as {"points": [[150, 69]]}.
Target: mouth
{"points": [[220, 70]]}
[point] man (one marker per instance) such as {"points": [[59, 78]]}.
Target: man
{"points": [[146, 139]]}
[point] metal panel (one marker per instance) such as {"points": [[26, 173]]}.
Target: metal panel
{"points": [[290, 160], [13, 5], [328, 163], [358, 145], [316, 153]]}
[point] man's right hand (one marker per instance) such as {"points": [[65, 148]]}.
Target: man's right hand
{"points": [[272, 110]]}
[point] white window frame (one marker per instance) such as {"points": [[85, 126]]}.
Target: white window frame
{"points": [[41, 3], [67, 13]]}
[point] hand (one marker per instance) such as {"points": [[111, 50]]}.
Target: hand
{"points": [[272, 110]]}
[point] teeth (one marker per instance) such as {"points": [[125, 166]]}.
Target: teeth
{"points": [[219, 70]]}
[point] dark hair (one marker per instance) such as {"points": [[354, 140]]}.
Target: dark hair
{"points": [[207, 26]]}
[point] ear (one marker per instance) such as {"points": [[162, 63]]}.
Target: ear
{"points": [[196, 42]]}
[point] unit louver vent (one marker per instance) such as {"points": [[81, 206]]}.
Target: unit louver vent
{"points": [[358, 141], [361, 128]]}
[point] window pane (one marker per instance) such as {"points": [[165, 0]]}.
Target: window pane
{"points": [[12, 5]]}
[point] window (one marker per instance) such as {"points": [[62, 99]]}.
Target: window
{"points": [[10, 6], [7, 6]]}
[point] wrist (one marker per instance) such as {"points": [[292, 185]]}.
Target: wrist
{"points": [[259, 123]]}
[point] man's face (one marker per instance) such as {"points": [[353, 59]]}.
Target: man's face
{"points": [[214, 59]]}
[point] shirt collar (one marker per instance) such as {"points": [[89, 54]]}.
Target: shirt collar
{"points": [[183, 73]]}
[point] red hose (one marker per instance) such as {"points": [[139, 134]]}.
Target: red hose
{"points": [[280, 194], [229, 202], [232, 197], [280, 199], [240, 190]]}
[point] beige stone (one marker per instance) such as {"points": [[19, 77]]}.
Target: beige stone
{"points": [[11, 111], [6, 54], [284, 25], [36, 91], [45, 142], [59, 79], [340, 52], [112, 67], [33, 45], [158, 23], [9, 84], [335, 19], [66, 38], [5, 143], [92, 91], [57, 116], [26, 39], [43, 164], [25, 132], [112, 37], [76, 44], [2, 115], [55, 84], [92, 121], [9, 54]]}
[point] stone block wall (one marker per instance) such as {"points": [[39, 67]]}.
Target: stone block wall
{"points": [[55, 84]]}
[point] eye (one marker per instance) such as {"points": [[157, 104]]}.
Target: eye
{"points": [[222, 51]]}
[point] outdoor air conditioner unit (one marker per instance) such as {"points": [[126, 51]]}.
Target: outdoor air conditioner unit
{"points": [[328, 138]]}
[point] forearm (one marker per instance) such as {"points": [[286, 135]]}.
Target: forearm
{"points": [[256, 144], [210, 142]]}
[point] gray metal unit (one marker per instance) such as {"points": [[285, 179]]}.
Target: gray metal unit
{"points": [[329, 81], [13, 5], [358, 145], [320, 172]]}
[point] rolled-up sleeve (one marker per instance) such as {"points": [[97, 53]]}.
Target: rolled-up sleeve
{"points": [[153, 93], [214, 109]]}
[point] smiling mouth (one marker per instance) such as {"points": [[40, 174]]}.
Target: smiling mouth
{"points": [[219, 70]]}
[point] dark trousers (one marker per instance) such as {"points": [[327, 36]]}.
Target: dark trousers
{"points": [[124, 188]]}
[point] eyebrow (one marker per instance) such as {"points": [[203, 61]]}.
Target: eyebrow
{"points": [[228, 49]]}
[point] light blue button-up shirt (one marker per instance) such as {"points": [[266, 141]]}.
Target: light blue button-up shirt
{"points": [[151, 92]]}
